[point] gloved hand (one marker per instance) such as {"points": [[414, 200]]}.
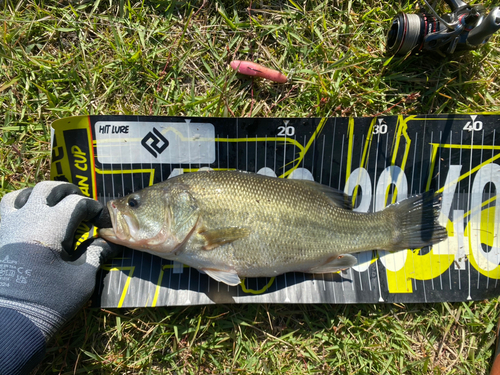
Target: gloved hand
{"points": [[38, 277]]}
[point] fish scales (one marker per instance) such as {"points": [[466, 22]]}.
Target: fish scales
{"points": [[233, 224], [290, 218]]}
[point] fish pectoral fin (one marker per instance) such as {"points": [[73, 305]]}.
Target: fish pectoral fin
{"points": [[217, 237], [339, 263], [226, 277]]}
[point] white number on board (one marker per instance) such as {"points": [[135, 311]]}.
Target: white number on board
{"points": [[380, 129], [288, 131]]}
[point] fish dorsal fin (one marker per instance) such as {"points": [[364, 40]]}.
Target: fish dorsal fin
{"points": [[220, 236], [229, 278], [337, 197], [339, 263]]}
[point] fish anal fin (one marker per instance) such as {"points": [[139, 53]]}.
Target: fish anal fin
{"points": [[335, 264], [217, 237], [226, 277]]}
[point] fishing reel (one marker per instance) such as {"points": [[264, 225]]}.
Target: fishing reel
{"points": [[465, 27]]}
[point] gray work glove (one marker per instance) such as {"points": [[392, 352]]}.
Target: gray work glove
{"points": [[38, 276]]}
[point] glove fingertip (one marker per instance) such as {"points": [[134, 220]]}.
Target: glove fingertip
{"points": [[61, 191], [103, 219], [22, 198], [12, 201], [101, 250]]}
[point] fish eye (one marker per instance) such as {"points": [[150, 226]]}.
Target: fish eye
{"points": [[133, 202]]}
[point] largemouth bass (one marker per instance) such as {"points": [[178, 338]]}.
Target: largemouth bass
{"points": [[233, 225]]}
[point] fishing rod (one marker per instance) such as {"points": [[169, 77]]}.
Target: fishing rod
{"points": [[465, 27]]}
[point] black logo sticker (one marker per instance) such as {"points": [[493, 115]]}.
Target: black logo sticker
{"points": [[158, 145]]}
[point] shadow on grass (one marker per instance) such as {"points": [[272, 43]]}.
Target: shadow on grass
{"points": [[445, 83]]}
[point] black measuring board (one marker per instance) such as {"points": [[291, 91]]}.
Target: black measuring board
{"points": [[377, 161]]}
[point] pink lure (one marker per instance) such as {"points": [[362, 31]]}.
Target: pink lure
{"points": [[252, 69]]}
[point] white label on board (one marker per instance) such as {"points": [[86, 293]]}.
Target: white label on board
{"points": [[127, 142]]}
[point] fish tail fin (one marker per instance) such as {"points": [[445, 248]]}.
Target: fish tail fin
{"points": [[416, 222]]}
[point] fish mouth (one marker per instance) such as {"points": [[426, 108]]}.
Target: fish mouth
{"points": [[108, 234], [123, 226]]}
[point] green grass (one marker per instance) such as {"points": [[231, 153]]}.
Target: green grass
{"points": [[64, 58], [279, 339]]}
